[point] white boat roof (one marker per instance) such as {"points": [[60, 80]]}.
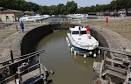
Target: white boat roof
{"points": [[76, 28]]}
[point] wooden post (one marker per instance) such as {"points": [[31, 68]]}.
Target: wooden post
{"points": [[101, 68], [19, 75], [40, 69], [105, 52], [11, 54], [112, 58]]}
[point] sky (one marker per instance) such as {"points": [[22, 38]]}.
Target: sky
{"points": [[81, 3]]}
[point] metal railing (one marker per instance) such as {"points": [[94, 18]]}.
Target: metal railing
{"points": [[62, 20], [124, 52], [19, 57], [6, 70], [116, 62]]}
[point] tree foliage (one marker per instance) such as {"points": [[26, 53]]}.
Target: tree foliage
{"points": [[19, 5], [69, 8]]}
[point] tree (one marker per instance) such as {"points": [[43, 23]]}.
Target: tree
{"points": [[61, 9], [71, 7], [129, 4], [19, 5]]}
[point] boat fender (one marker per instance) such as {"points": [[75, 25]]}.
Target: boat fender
{"points": [[85, 55], [90, 52], [75, 53], [72, 49], [94, 55]]}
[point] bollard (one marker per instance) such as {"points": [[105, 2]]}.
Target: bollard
{"points": [[107, 20]]}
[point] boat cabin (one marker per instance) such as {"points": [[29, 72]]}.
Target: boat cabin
{"points": [[78, 30]]}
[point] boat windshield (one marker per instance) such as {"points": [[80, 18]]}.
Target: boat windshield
{"points": [[75, 32], [83, 32]]}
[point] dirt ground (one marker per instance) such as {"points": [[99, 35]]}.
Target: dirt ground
{"points": [[119, 25]]}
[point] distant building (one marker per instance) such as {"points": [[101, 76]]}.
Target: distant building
{"points": [[10, 15]]}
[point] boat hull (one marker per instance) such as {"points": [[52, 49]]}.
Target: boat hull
{"points": [[79, 50]]}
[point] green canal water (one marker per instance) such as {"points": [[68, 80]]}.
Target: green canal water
{"points": [[68, 69]]}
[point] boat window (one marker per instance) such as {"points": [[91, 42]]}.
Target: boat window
{"points": [[75, 32], [83, 32]]}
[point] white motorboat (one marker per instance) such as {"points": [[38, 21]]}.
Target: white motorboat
{"points": [[31, 18], [81, 41]]}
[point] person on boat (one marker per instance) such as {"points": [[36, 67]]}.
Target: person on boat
{"points": [[88, 29]]}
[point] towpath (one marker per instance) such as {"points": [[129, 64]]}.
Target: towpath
{"points": [[10, 38]]}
